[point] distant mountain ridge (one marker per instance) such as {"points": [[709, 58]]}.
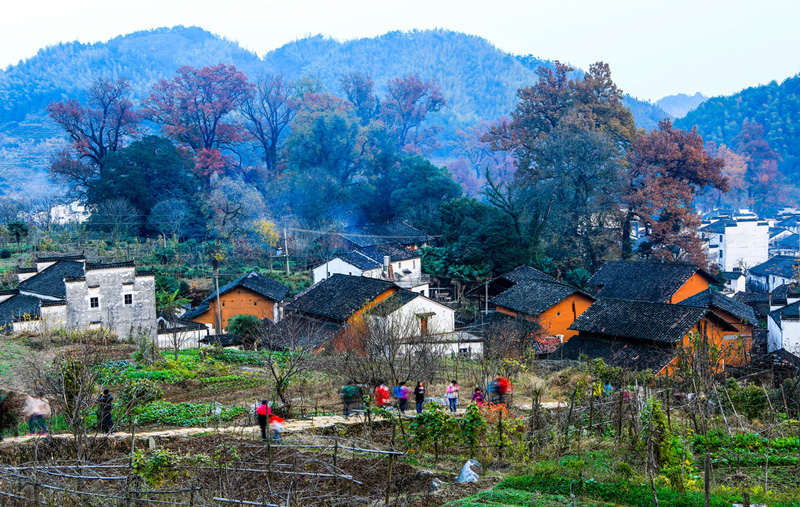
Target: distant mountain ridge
{"points": [[679, 105], [478, 80]]}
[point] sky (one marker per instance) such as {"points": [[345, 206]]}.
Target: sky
{"points": [[654, 47]]}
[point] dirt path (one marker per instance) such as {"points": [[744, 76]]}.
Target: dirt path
{"points": [[292, 426]]}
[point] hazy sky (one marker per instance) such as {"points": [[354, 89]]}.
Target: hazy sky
{"points": [[654, 47]]}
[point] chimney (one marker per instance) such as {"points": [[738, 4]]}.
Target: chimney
{"points": [[387, 261]]}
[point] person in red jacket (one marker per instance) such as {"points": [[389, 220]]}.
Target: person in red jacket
{"points": [[262, 412], [381, 395]]}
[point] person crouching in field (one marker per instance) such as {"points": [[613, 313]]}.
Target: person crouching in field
{"points": [[36, 410]]}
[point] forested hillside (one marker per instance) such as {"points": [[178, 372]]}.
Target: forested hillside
{"points": [[775, 107], [478, 81]]}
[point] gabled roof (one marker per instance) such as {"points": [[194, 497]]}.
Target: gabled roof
{"points": [[393, 250], [378, 234], [784, 292], [196, 312], [788, 242], [788, 222], [50, 281], [360, 260], [507, 280], [257, 283], [719, 226], [710, 298], [780, 265], [628, 354], [758, 301], [642, 320], [526, 273], [17, 307], [533, 297], [733, 275], [339, 296], [788, 312], [643, 281], [393, 302]]}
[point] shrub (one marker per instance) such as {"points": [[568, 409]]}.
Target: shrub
{"points": [[139, 392], [5, 253]]}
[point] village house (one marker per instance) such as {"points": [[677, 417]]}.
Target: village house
{"points": [[736, 243], [773, 273], [553, 306], [641, 335], [391, 262], [346, 301], [68, 292], [649, 281], [503, 335], [735, 281], [251, 294], [739, 315], [784, 329], [488, 290], [785, 243]]}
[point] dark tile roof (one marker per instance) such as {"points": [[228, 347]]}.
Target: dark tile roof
{"points": [[393, 302], [395, 251], [778, 359], [733, 275], [643, 281], [18, 307], [719, 226], [50, 281], [257, 283], [788, 222], [789, 312], [533, 297], [196, 312], [361, 261], [784, 292], [790, 242], [526, 273], [377, 234], [339, 296], [758, 301], [710, 298], [780, 265], [641, 320], [56, 258], [627, 354]]}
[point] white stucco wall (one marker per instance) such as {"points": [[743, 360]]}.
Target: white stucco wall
{"points": [[442, 320], [774, 338], [745, 245], [333, 267]]}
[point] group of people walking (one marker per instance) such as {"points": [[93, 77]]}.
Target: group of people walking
{"points": [[352, 395]]}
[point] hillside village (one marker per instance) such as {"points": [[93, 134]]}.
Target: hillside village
{"points": [[411, 270]]}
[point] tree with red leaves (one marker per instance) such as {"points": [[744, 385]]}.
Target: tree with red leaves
{"points": [[406, 105], [96, 129], [667, 168], [194, 109]]}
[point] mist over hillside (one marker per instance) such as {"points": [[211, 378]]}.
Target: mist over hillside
{"points": [[478, 80]]}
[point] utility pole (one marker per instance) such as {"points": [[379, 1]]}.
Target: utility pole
{"points": [[219, 310], [286, 247]]}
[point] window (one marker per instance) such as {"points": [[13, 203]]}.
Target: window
{"points": [[128, 299], [720, 237], [94, 302]]}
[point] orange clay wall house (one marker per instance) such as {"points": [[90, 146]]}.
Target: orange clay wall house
{"points": [[641, 335], [554, 306], [251, 294], [650, 281], [341, 300]]}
